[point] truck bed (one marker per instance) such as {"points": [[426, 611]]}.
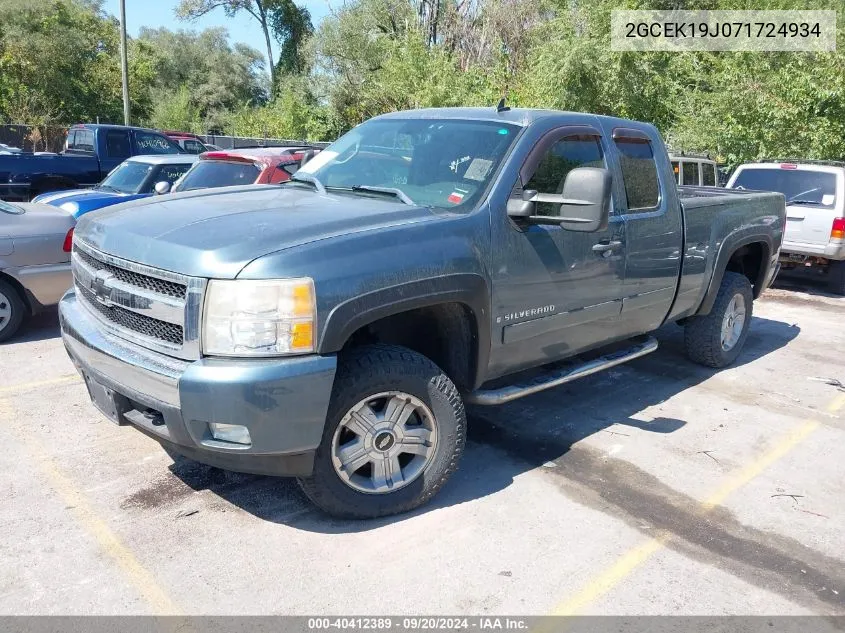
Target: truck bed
{"points": [[709, 214]]}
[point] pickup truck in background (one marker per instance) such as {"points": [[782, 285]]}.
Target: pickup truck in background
{"points": [[91, 152], [332, 327], [815, 212]]}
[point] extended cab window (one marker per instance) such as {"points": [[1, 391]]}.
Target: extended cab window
{"points": [[690, 174], [639, 173], [149, 143], [708, 174], [117, 144], [564, 156]]}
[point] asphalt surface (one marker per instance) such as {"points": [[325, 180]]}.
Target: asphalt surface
{"points": [[658, 487]]}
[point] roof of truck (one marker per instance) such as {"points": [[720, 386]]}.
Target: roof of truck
{"points": [[517, 116]]}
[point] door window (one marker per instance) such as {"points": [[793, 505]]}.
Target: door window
{"points": [[639, 173], [690, 173], [564, 156], [117, 144], [708, 174]]}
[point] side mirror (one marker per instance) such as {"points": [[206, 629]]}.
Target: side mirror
{"points": [[162, 188], [522, 207], [584, 203], [586, 200]]}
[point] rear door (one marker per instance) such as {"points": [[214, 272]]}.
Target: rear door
{"points": [[813, 199], [651, 212]]}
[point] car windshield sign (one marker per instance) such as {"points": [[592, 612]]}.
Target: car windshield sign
{"points": [[443, 163], [5, 207], [128, 177], [800, 187]]}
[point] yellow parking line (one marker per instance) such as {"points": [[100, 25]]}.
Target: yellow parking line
{"points": [[635, 557], [26, 386], [142, 579]]}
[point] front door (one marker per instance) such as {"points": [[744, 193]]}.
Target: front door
{"points": [[555, 291]]}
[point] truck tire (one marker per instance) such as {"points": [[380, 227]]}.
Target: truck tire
{"points": [[394, 433], [716, 339], [836, 277], [12, 310]]}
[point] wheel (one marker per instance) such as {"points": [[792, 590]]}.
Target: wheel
{"points": [[716, 339], [394, 433], [12, 310], [836, 277]]}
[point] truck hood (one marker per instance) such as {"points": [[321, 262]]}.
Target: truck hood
{"points": [[86, 199], [216, 232]]}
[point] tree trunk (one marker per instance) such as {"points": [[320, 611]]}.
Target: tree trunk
{"points": [[266, 29]]}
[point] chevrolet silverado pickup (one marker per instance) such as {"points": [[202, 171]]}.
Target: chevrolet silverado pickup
{"points": [[91, 152], [332, 327]]}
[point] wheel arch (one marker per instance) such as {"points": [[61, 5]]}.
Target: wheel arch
{"points": [[444, 318], [749, 255]]}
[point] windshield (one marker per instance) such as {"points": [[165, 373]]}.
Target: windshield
{"points": [[444, 163], [217, 173], [814, 188], [5, 207], [128, 177]]}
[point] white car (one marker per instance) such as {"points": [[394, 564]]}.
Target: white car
{"points": [[815, 211]]}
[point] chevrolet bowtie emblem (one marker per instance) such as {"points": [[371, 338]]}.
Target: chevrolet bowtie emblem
{"points": [[98, 286]]}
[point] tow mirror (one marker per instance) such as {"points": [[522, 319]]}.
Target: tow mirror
{"points": [[522, 207], [584, 202], [162, 187]]}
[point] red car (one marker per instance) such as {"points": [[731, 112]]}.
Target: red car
{"points": [[245, 166]]}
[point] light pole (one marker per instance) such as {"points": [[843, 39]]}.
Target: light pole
{"points": [[124, 68]]}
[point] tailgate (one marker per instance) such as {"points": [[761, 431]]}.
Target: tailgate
{"points": [[808, 225]]}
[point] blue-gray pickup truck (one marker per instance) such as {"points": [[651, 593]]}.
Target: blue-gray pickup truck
{"points": [[91, 152], [332, 327]]}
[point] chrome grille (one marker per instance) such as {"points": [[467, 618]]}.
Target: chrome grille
{"points": [[155, 308], [169, 288], [148, 326]]}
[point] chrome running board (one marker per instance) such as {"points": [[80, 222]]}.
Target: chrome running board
{"points": [[561, 376]]}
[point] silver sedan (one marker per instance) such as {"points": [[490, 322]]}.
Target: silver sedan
{"points": [[35, 245]]}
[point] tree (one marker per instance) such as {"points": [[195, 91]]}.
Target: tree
{"points": [[292, 26], [258, 9]]}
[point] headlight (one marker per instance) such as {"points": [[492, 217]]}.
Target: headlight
{"points": [[259, 318]]}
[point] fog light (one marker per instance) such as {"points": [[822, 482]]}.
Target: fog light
{"points": [[234, 433]]}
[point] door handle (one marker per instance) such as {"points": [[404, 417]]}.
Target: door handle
{"points": [[603, 247]]}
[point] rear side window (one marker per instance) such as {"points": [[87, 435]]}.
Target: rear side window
{"points": [[81, 141], [218, 173], [149, 143], [564, 156], [639, 173], [690, 174], [117, 144], [800, 187], [708, 174], [194, 147]]}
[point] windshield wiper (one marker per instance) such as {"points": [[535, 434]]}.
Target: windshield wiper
{"points": [[804, 202], [391, 191], [311, 180]]}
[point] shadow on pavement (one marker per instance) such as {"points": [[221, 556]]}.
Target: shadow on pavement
{"points": [[803, 280], [38, 328], [506, 441]]}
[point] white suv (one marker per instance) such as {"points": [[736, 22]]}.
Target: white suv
{"points": [[815, 211]]}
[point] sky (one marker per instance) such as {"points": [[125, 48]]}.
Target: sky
{"points": [[242, 28]]}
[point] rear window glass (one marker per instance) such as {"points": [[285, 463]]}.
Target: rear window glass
{"points": [[218, 173], [811, 188], [690, 174], [81, 141], [708, 175], [676, 169], [639, 173]]}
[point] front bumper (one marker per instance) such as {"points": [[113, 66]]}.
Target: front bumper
{"points": [[283, 402]]}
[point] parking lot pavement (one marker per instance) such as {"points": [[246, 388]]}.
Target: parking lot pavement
{"points": [[658, 487]]}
